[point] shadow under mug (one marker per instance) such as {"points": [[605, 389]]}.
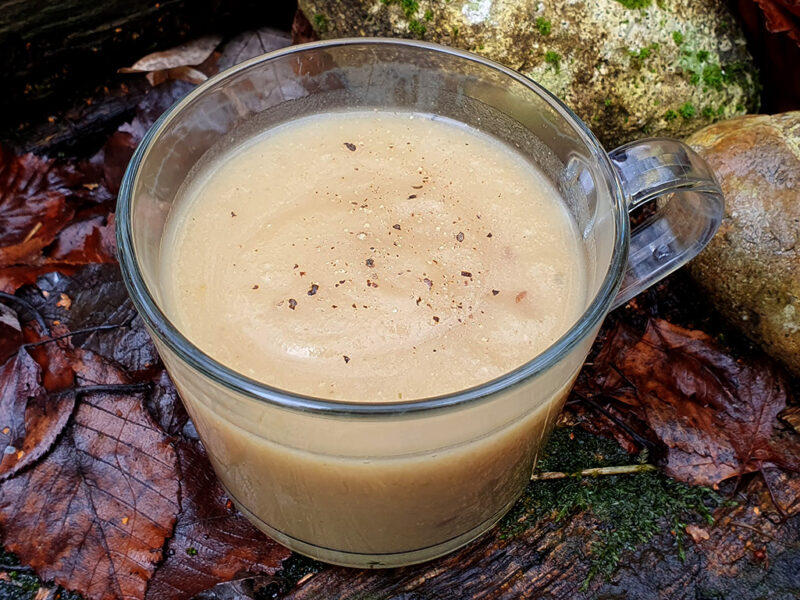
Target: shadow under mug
{"points": [[380, 485]]}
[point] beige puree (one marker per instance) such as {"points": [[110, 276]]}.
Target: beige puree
{"points": [[372, 257]]}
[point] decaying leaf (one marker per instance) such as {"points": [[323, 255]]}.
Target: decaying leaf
{"points": [[94, 514], [715, 416], [212, 541]]}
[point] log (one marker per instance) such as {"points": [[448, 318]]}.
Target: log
{"points": [[58, 53]]}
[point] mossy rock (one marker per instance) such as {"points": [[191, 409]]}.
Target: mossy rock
{"points": [[629, 68]]}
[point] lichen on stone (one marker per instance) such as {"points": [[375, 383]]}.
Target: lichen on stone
{"points": [[686, 51]]}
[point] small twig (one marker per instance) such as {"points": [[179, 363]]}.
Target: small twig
{"points": [[16, 568], [595, 472], [29, 307], [77, 332], [111, 388], [643, 442], [756, 530]]}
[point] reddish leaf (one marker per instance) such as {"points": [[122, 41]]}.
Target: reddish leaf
{"points": [[716, 417], [118, 151], [52, 356], [95, 513], [32, 207], [302, 31], [212, 541], [782, 16], [88, 241]]}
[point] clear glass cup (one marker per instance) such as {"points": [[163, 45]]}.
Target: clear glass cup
{"points": [[380, 485]]}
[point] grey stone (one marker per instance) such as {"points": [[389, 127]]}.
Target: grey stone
{"points": [[751, 269], [668, 68]]}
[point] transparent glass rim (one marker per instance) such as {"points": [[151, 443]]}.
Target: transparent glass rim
{"points": [[207, 366]]}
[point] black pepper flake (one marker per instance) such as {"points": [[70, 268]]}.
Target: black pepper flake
{"points": [[295, 266], [292, 303], [313, 290], [233, 214], [349, 146], [255, 287], [370, 262], [419, 300], [396, 226], [489, 234], [412, 196], [466, 274], [416, 187], [495, 292], [346, 358], [428, 282], [460, 236], [436, 319], [302, 273]]}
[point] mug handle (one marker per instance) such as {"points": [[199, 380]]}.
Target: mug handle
{"points": [[689, 212]]}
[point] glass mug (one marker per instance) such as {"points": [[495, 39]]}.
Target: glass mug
{"points": [[383, 485]]}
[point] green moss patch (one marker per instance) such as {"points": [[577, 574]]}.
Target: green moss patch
{"points": [[554, 59], [543, 25], [634, 4], [321, 23], [631, 508]]}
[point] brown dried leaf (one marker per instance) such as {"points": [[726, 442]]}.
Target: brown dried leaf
{"points": [[95, 513], [715, 416], [212, 541], [189, 54]]}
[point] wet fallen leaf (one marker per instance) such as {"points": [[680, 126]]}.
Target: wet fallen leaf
{"points": [[64, 517], [33, 206], [100, 304], [212, 541], [32, 417], [716, 417], [89, 241]]}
